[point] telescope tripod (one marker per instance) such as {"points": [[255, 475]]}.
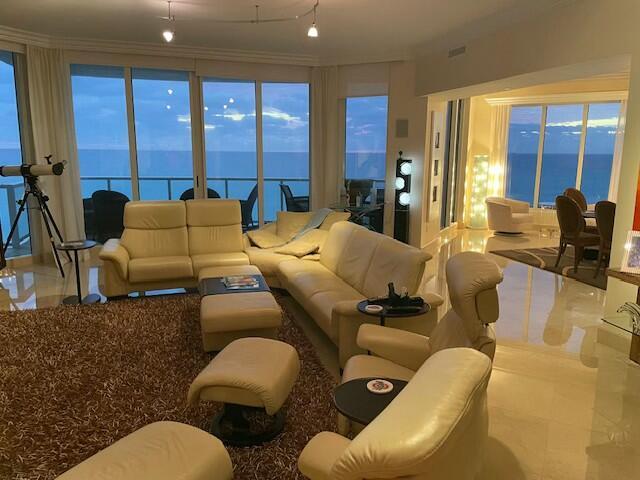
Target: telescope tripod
{"points": [[32, 189]]}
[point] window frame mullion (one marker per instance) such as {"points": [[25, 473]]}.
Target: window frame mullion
{"points": [[259, 151], [131, 124], [583, 140], [536, 188]]}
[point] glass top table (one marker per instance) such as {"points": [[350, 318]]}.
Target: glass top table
{"points": [[624, 322]]}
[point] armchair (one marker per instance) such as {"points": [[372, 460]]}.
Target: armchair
{"points": [[435, 428], [508, 216]]}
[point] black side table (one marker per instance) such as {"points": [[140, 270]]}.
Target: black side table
{"points": [[75, 246], [388, 312], [353, 400]]}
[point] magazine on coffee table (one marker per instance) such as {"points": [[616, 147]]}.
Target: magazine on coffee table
{"points": [[240, 282]]}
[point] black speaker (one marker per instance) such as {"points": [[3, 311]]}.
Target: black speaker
{"points": [[403, 199]]}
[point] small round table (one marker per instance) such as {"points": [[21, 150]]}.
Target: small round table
{"points": [[387, 313], [75, 246], [353, 400]]}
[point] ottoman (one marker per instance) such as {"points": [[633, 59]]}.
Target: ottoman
{"points": [[161, 450], [249, 376], [226, 316]]}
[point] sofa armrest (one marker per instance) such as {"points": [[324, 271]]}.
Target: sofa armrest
{"points": [[320, 454], [398, 346], [518, 206], [114, 252]]}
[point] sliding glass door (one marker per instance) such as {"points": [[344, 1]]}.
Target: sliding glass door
{"points": [[163, 133]]}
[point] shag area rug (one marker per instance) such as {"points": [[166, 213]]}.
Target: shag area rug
{"points": [[545, 258], [73, 380]]}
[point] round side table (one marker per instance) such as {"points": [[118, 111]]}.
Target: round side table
{"points": [[75, 246], [353, 400], [388, 313]]}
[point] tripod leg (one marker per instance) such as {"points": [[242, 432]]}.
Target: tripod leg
{"points": [[14, 225], [53, 245], [53, 222]]}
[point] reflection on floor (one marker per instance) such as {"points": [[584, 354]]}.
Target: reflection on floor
{"points": [[562, 406]]}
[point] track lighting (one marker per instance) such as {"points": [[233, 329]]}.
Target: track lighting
{"points": [[169, 33], [313, 29]]}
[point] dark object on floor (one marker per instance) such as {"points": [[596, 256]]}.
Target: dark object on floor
{"points": [[190, 195], [241, 426], [605, 216], [544, 258], [83, 377], [246, 207], [572, 230], [108, 211], [294, 204]]}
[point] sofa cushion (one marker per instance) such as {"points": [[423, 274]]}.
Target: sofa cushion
{"points": [[215, 226], [159, 268], [218, 260], [316, 236], [290, 223], [336, 242], [298, 248], [266, 259], [320, 307], [334, 217], [305, 277], [265, 239], [357, 257], [155, 215], [394, 262]]}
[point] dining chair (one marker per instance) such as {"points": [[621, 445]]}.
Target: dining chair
{"points": [[577, 196], [246, 208], [605, 216], [572, 230], [108, 214], [189, 194], [293, 203]]}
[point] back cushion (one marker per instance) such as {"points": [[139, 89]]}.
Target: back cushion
{"points": [[155, 229], [290, 223], [394, 262], [335, 244], [334, 217], [357, 256], [215, 226]]}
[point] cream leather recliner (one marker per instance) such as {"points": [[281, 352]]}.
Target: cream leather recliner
{"points": [[435, 429], [356, 263], [166, 243], [505, 215]]}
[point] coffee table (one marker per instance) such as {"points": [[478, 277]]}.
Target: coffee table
{"points": [[353, 400]]}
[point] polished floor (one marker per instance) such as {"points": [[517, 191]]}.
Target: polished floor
{"points": [[562, 405]]}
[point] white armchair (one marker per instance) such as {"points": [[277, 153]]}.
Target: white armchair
{"points": [[505, 215]]}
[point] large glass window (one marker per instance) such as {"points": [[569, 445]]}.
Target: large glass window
{"points": [[561, 149], [100, 114], [230, 141], [562, 163], [524, 137], [163, 133], [11, 188], [602, 125], [285, 132]]}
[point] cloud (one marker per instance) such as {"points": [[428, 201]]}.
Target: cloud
{"points": [[183, 118], [210, 126], [292, 121], [595, 123]]}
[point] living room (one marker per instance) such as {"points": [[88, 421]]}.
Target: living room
{"points": [[260, 241]]}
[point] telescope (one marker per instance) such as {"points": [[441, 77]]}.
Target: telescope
{"points": [[32, 170]]}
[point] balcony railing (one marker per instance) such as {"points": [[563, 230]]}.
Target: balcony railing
{"points": [[19, 245]]}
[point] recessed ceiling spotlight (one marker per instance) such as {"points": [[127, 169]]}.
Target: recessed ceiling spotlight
{"points": [[169, 33], [313, 29]]}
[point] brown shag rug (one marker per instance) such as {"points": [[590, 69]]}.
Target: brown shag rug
{"points": [[75, 379]]}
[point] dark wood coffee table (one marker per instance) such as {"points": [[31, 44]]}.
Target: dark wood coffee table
{"points": [[354, 401]]}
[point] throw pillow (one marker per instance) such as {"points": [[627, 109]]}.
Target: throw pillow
{"points": [[263, 239], [315, 236], [290, 223], [334, 217], [298, 248]]}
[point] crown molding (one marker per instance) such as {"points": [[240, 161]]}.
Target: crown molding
{"points": [[587, 97], [141, 48]]}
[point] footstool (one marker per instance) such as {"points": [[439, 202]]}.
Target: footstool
{"points": [[227, 315], [249, 375]]}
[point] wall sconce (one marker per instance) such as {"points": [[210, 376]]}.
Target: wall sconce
{"points": [[403, 199], [479, 191]]}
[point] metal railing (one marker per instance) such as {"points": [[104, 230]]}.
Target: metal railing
{"points": [[14, 192]]}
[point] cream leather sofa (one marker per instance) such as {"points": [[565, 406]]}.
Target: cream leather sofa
{"points": [[354, 264], [166, 243], [435, 429], [505, 215]]}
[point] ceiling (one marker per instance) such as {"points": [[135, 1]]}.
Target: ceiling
{"points": [[350, 30]]}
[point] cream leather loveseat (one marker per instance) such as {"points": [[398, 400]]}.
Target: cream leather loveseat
{"points": [[354, 264], [166, 243]]}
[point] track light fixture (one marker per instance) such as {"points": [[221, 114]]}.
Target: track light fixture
{"points": [[313, 29], [169, 33]]}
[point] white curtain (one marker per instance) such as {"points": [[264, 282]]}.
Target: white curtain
{"points": [[617, 153], [326, 161], [498, 151], [51, 108]]}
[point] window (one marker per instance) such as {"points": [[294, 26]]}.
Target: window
{"points": [[163, 133], [524, 138], [100, 113], [11, 188], [574, 154], [230, 141], [285, 127]]}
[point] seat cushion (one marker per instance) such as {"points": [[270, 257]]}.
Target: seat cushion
{"points": [[265, 239], [218, 259], [159, 268], [239, 311], [251, 371], [364, 366], [521, 218], [162, 451], [267, 260]]}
